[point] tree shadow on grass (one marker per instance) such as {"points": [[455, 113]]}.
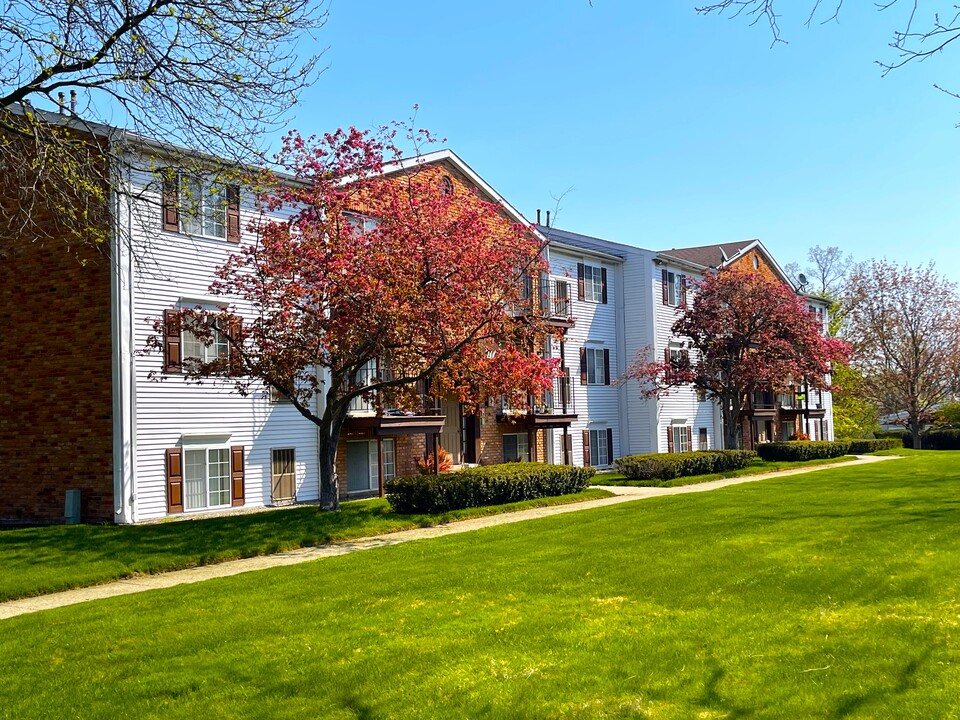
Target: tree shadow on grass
{"points": [[710, 698], [906, 680]]}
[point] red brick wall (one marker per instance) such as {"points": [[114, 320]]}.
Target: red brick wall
{"points": [[55, 398]]}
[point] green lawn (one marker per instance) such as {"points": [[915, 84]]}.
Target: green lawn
{"points": [[829, 595], [757, 467], [34, 561]]}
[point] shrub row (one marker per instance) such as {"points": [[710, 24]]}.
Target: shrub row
{"points": [[937, 440], [666, 466], [488, 485], [803, 450], [859, 447]]}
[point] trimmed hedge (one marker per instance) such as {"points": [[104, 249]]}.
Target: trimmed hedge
{"points": [[940, 440], [861, 447], [666, 466], [487, 485], [801, 450]]}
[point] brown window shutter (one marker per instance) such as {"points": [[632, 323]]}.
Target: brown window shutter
{"points": [[236, 475], [583, 366], [174, 480], [610, 445], [580, 281], [586, 448], [606, 366], [683, 289], [669, 438], [170, 202], [172, 362], [603, 283], [235, 333], [666, 297], [233, 214]]}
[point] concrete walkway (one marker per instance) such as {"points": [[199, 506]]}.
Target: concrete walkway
{"points": [[293, 557]]}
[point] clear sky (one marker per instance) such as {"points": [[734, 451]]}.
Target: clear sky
{"points": [[668, 129]]}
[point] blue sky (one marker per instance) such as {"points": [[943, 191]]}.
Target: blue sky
{"points": [[669, 129]]}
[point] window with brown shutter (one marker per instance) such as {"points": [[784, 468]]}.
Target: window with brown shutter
{"points": [[170, 201], [606, 366], [583, 366], [663, 286], [586, 448], [669, 438], [235, 334], [683, 289], [172, 360], [233, 214], [603, 284], [580, 294], [610, 445], [174, 473], [236, 475]]}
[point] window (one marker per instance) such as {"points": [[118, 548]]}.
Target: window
{"points": [[701, 395], [681, 438], [703, 443], [787, 430], [593, 283], [674, 288], [361, 223], [596, 366], [516, 447], [283, 473], [389, 459], [194, 349], [599, 448], [206, 478], [204, 206]]}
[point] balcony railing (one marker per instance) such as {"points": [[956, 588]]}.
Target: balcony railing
{"points": [[547, 297], [558, 400], [370, 405]]}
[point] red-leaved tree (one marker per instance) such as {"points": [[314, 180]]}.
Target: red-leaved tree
{"points": [[380, 284], [746, 332]]}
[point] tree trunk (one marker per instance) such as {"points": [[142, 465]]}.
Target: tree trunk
{"points": [[327, 441], [731, 418], [915, 426]]}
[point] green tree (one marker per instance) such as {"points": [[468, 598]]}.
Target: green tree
{"points": [[207, 77]]}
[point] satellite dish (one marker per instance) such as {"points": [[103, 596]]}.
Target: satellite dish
{"points": [[802, 279]]}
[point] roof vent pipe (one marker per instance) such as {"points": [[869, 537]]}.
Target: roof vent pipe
{"points": [[61, 101], [548, 218], [538, 216], [73, 101]]}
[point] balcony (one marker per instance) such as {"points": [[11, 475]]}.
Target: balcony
{"points": [[553, 409], [549, 298], [762, 404], [366, 417]]}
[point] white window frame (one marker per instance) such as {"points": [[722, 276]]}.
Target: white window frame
{"points": [[522, 448], [205, 212], [592, 283], [219, 348], [599, 455], [373, 468], [362, 223], [673, 289], [189, 452], [681, 438], [389, 459], [596, 368]]}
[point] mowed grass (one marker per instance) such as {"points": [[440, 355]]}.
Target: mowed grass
{"points": [[34, 561], [829, 595], [757, 466]]}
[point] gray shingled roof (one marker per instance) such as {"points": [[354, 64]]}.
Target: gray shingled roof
{"points": [[585, 242], [708, 255]]}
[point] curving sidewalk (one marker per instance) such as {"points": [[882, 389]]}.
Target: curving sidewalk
{"points": [[143, 583]]}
